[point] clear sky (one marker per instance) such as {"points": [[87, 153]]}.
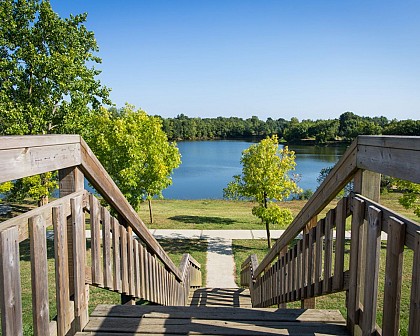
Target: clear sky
{"points": [[208, 58]]}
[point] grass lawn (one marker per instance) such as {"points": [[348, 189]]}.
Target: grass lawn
{"points": [[231, 215], [175, 249], [243, 248]]}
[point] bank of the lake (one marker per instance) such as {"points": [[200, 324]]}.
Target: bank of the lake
{"points": [[208, 166]]}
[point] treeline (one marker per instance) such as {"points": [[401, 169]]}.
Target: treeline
{"points": [[345, 128]]}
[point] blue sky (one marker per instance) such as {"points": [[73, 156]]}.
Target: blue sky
{"points": [[279, 59]]}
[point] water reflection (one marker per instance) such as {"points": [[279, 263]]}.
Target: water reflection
{"points": [[208, 166]]}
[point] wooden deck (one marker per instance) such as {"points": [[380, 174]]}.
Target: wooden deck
{"points": [[213, 311]]}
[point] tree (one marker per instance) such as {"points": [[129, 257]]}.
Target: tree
{"points": [[264, 179], [411, 195], [136, 153], [47, 79]]}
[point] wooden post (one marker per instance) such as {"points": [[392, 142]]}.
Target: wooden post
{"points": [[70, 180]]}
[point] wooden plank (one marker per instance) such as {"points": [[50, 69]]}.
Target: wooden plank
{"points": [[124, 260], [103, 183], [21, 221], [328, 251], [146, 271], [71, 180], [299, 273], [142, 272], [61, 271], [130, 259], [116, 255], [311, 264], [393, 276], [39, 276], [27, 161], [79, 253], [210, 327], [45, 140], [106, 244], [340, 221], [414, 322], [373, 246], [136, 267], [411, 226], [10, 298], [304, 279], [340, 175], [318, 256], [388, 161], [353, 297], [95, 229]]}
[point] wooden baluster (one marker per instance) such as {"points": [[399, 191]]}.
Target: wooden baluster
{"points": [[124, 261], [414, 324], [106, 234], [373, 246], [61, 271], [116, 255], [309, 301], [137, 267], [393, 276], [130, 259], [299, 272], [39, 276], [354, 282], [143, 269], [340, 219], [328, 251], [79, 253], [10, 300], [304, 276], [97, 274], [318, 256]]}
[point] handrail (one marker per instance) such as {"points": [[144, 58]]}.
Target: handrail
{"points": [[397, 158], [22, 156], [315, 264]]}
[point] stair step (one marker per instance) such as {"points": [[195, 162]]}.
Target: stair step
{"points": [[220, 297], [159, 320]]}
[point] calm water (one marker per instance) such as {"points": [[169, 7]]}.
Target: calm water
{"points": [[208, 166]]}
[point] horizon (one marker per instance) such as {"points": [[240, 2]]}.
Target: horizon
{"points": [[310, 60]]}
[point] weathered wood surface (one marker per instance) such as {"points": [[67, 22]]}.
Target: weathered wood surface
{"points": [[213, 320], [21, 221], [39, 276], [103, 183], [11, 296]]}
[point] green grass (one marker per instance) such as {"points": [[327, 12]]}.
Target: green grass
{"points": [[243, 248], [174, 248], [209, 214]]}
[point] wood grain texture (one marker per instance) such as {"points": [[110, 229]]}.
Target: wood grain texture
{"points": [[116, 255], [414, 324], [79, 260], [373, 246], [95, 229], [61, 271], [11, 298], [39, 276], [106, 248], [393, 276]]}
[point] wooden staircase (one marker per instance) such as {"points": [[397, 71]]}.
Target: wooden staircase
{"points": [[123, 256], [213, 311]]}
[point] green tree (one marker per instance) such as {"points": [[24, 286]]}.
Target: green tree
{"points": [[136, 153], [411, 195], [264, 179], [47, 76]]}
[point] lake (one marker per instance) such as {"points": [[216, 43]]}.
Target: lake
{"points": [[208, 166]]}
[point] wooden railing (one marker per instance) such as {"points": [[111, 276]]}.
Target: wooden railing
{"points": [[123, 256], [308, 260]]}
